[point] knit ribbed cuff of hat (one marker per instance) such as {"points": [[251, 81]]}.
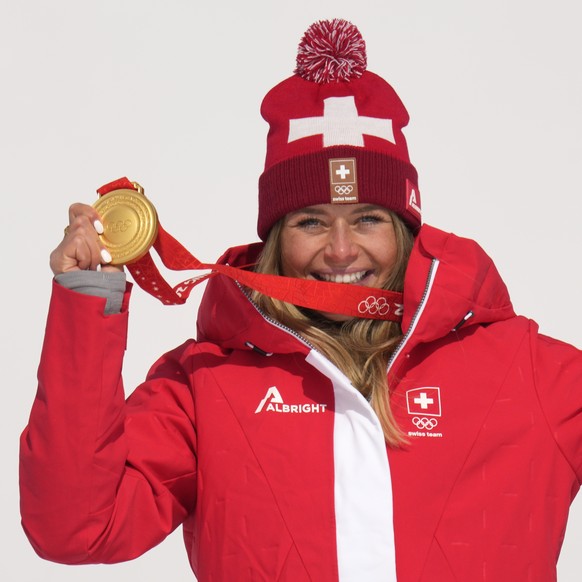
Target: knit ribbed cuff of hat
{"points": [[304, 180]]}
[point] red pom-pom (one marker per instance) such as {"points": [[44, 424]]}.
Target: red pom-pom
{"points": [[331, 50]]}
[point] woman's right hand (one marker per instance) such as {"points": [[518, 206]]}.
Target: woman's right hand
{"points": [[81, 248]]}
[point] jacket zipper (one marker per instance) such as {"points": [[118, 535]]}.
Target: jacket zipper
{"points": [[427, 288], [298, 337], [273, 321], [425, 294]]}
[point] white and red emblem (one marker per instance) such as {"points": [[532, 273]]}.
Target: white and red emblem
{"points": [[424, 401]]}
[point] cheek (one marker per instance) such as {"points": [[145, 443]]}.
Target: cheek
{"points": [[390, 258], [387, 256], [293, 260], [286, 269]]}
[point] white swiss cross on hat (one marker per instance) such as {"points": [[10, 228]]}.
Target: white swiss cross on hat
{"points": [[341, 124]]}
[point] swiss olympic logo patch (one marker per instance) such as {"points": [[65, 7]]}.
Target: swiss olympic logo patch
{"points": [[424, 406]]}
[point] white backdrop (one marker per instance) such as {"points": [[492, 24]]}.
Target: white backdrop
{"points": [[168, 93]]}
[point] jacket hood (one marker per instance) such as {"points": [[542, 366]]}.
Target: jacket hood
{"points": [[454, 275], [466, 284]]}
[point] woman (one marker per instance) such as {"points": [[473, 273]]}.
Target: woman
{"points": [[277, 438]]}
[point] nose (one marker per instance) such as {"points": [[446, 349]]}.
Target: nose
{"points": [[341, 248]]}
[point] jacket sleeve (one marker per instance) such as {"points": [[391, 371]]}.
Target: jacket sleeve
{"points": [[558, 373], [102, 479]]}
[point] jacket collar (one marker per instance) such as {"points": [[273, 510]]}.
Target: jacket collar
{"points": [[466, 281], [230, 319]]}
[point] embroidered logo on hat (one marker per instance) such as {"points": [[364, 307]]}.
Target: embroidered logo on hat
{"points": [[412, 198], [343, 181], [341, 124]]}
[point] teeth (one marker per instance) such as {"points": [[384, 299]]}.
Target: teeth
{"points": [[345, 278]]}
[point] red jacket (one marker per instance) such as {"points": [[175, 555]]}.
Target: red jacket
{"points": [[277, 467]]}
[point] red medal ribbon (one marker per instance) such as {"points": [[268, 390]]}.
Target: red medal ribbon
{"points": [[352, 300]]}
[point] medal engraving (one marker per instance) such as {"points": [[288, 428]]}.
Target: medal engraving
{"points": [[130, 225]]}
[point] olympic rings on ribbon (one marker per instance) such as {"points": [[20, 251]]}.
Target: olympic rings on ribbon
{"points": [[373, 305], [425, 423]]}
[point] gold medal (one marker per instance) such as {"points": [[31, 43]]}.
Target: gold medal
{"points": [[130, 224]]}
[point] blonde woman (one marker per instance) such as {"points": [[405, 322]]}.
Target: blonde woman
{"points": [[434, 437]]}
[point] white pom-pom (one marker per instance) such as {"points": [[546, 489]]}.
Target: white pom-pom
{"points": [[331, 50]]}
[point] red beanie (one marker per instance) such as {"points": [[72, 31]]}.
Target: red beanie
{"points": [[335, 133]]}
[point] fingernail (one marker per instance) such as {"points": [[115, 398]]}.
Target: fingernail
{"points": [[98, 227], [105, 256], [98, 268]]}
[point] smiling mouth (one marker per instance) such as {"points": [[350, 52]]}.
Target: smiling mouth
{"points": [[342, 278]]}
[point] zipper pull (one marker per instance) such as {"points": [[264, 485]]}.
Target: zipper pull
{"points": [[463, 321], [258, 350]]}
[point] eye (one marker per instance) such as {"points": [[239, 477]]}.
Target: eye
{"points": [[308, 222], [372, 218]]}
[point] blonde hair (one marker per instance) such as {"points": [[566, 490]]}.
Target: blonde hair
{"points": [[360, 348]]}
